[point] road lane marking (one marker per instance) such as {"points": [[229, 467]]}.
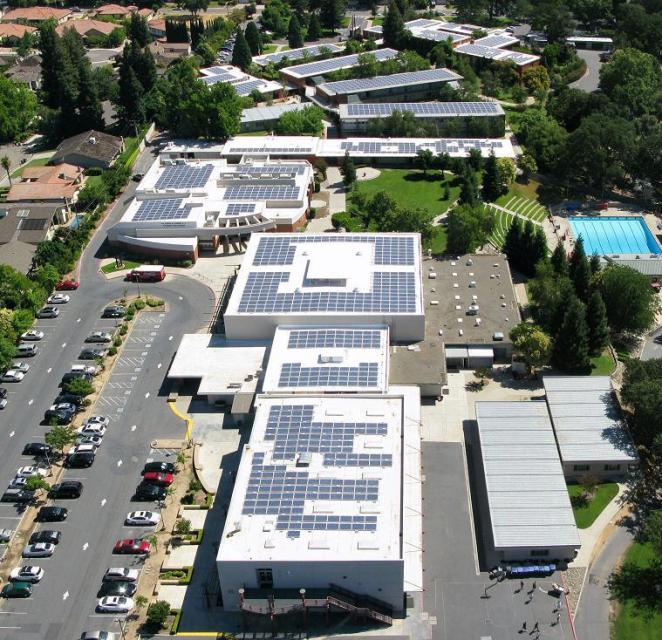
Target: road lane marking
{"points": [[103, 502], [30, 401], [12, 434], [49, 369], [170, 338], [78, 320], [64, 344], [158, 366], [147, 395], [65, 595], [86, 546], [119, 463], [133, 427]]}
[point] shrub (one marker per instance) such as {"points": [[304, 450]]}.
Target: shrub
{"points": [[112, 351], [158, 613], [124, 329], [154, 302], [194, 485], [139, 304], [187, 499], [117, 342], [79, 387], [313, 213], [183, 526], [186, 264], [175, 624], [317, 186], [129, 314]]}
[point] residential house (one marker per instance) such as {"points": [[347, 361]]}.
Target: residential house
{"points": [[157, 28], [36, 15], [27, 71], [115, 11], [88, 28], [57, 184], [11, 33], [89, 149], [166, 52]]}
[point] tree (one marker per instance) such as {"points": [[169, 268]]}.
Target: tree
{"points": [[348, 171], [90, 112], [131, 96], [275, 17], [571, 351], [314, 28], [580, 270], [589, 483], [424, 160], [536, 79], [653, 531], [526, 163], [491, 184], [512, 245], [36, 483], [596, 322], [506, 172], [79, 387], [468, 228], [468, 187], [303, 122], [241, 54], [50, 52], [543, 137], [6, 165], [157, 614], [630, 301], [532, 343], [18, 108], [393, 28], [595, 264], [559, 260], [138, 31], [253, 39], [60, 437], [193, 6], [332, 12], [183, 526], [294, 36]]}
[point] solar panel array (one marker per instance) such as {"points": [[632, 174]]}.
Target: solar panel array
{"points": [[334, 64], [244, 88], [448, 145], [424, 109], [496, 41], [518, 58], [389, 250], [236, 208], [184, 176], [220, 75], [334, 338], [162, 209], [422, 23], [480, 51], [293, 374], [268, 147], [439, 36], [296, 54], [261, 192], [395, 80], [298, 169]]}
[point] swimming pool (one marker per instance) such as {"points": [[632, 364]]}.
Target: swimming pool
{"points": [[608, 235]]}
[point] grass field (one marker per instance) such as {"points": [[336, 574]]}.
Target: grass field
{"points": [[438, 241], [587, 511], [112, 268], [410, 188], [635, 621], [602, 365], [517, 202], [502, 222]]}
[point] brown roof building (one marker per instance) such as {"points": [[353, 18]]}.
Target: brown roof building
{"points": [[11, 32], [165, 52], [58, 184], [89, 149], [87, 28], [115, 10], [36, 15]]}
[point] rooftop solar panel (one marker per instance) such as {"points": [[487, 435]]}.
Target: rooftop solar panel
{"points": [[334, 64], [395, 80], [261, 192], [480, 51], [496, 41], [293, 374], [422, 109], [161, 209], [184, 176], [439, 36], [296, 54], [244, 88], [422, 23], [334, 338], [221, 75], [237, 208], [298, 169]]}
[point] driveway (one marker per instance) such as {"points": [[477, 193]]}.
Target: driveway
{"points": [[652, 346], [591, 79]]}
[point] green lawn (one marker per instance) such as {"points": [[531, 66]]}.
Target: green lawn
{"points": [[518, 200], [410, 188], [112, 268], [502, 222], [634, 621], [587, 511], [602, 365]]}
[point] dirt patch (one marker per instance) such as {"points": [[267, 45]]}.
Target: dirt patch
{"points": [[367, 173]]}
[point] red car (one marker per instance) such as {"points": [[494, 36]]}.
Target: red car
{"points": [[132, 546], [162, 479], [67, 285]]}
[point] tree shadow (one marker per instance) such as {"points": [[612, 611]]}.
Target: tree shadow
{"points": [[431, 176], [641, 585], [579, 502]]}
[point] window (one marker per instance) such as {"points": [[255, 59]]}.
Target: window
{"points": [[265, 578], [581, 467], [537, 553], [612, 467]]}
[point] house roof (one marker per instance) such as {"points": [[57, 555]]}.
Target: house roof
{"points": [[157, 25], [84, 26], [17, 254], [11, 30], [25, 221], [35, 14], [92, 144], [46, 183], [24, 73], [114, 10]]}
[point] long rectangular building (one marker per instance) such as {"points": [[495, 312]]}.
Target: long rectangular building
{"points": [[290, 55], [529, 506]]}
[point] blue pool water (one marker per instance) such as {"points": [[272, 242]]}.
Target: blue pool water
{"points": [[614, 235]]}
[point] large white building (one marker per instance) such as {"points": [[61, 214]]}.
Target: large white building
{"points": [[326, 499], [328, 278]]}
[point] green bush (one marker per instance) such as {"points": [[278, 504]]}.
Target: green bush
{"points": [[124, 329], [139, 304], [117, 342], [154, 302], [129, 314], [157, 614], [317, 186], [187, 498], [79, 387], [112, 351], [93, 171], [313, 213], [194, 485], [186, 264], [175, 624]]}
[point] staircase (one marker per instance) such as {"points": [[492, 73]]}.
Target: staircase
{"points": [[362, 611]]}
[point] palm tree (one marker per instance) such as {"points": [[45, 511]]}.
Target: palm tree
{"points": [[6, 165]]}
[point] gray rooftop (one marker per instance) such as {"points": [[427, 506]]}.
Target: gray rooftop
{"points": [[527, 495], [362, 111], [309, 69], [265, 114], [648, 264], [587, 420]]}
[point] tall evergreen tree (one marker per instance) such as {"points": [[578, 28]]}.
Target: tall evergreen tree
{"points": [[348, 170], [131, 96], [50, 64], [197, 30], [253, 39], [468, 187], [580, 270], [332, 12], [138, 31], [294, 37], [241, 54], [393, 29], [595, 264], [512, 245], [491, 181], [596, 321], [559, 260], [403, 7], [528, 233], [314, 28], [538, 250], [90, 112], [571, 350]]}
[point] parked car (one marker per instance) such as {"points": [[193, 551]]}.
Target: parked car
{"points": [[39, 550], [67, 285], [27, 573], [3, 403], [18, 483], [73, 375], [18, 496], [3, 392], [12, 375], [117, 589], [132, 546], [16, 590], [150, 492], [98, 635], [93, 440], [99, 336], [32, 335], [142, 519], [23, 367], [48, 312], [92, 430], [123, 574], [32, 470], [59, 298], [80, 460], [63, 413], [115, 604], [37, 449], [26, 350], [96, 420], [52, 514], [91, 353], [46, 536], [114, 311], [159, 467], [70, 398], [66, 489], [161, 479], [6, 535], [137, 177]]}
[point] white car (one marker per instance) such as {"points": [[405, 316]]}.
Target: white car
{"points": [[32, 470], [95, 440], [115, 604], [32, 334], [88, 447], [84, 368], [27, 574], [120, 573], [3, 403], [91, 430], [59, 298], [39, 550], [97, 420], [142, 518], [12, 375], [23, 367], [19, 482]]}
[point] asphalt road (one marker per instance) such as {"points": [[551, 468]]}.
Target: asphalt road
{"points": [[591, 79], [652, 346], [62, 605]]}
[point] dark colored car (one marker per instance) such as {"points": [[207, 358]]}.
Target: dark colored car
{"points": [[117, 589], [19, 496], [61, 416], [39, 449], [66, 489], [74, 375], [90, 353], [114, 311], [17, 590], [159, 467], [70, 398], [45, 535], [146, 491], [132, 546], [80, 460], [3, 393], [52, 514]]}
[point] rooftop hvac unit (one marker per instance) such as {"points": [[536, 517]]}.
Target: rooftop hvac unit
{"points": [[432, 275], [498, 336], [304, 459], [180, 161], [434, 303], [472, 284], [477, 323], [469, 262], [461, 332]]}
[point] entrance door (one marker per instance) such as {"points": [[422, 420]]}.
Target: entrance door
{"points": [[265, 578]]}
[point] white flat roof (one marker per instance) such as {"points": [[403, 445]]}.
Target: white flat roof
{"points": [[321, 479], [222, 367], [587, 420], [243, 83], [330, 358], [494, 53], [526, 490]]}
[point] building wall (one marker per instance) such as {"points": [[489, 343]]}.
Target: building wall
{"points": [[543, 554], [84, 161], [612, 471], [405, 93], [381, 579], [456, 127], [157, 252]]}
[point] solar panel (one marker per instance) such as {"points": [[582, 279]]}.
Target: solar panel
{"points": [[298, 169], [184, 176], [423, 109], [438, 36], [496, 41], [396, 80], [244, 88], [221, 75], [334, 338], [423, 23], [162, 209], [293, 374], [296, 54], [334, 64], [236, 208], [261, 192]]}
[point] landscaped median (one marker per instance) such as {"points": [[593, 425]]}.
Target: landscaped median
{"points": [[589, 500]]}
